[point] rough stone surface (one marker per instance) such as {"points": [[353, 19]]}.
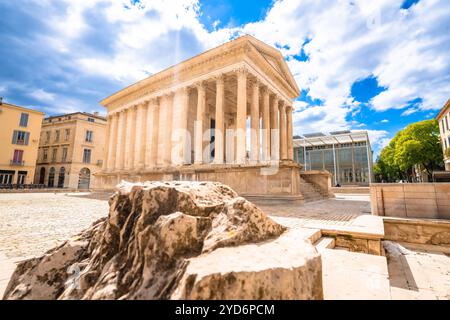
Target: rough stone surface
{"points": [[153, 233]]}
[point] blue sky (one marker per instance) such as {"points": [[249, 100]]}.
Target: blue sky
{"points": [[360, 64]]}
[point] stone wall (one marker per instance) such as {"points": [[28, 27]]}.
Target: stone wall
{"points": [[246, 180], [418, 200], [417, 231]]}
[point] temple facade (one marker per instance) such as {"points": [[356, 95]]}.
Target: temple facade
{"points": [[224, 115]]}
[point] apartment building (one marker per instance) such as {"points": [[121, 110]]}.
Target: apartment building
{"points": [[443, 118], [19, 140], [71, 150]]}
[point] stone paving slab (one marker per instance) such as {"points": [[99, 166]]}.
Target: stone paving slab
{"points": [[7, 268], [417, 273], [354, 276]]}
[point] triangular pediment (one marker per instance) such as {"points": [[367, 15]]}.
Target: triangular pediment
{"points": [[273, 62], [275, 59]]}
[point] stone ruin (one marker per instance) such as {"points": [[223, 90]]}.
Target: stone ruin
{"points": [[175, 240]]}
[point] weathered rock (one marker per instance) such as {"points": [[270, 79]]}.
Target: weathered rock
{"points": [[155, 239], [284, 268]]}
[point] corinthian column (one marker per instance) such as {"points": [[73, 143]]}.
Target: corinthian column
{"points": [[107, 151], [179, 127], [283, 132], [220, 121], [201, 103], [290, 142], [140, 136], [129, 138], [241, 117], [168, 130], [112, 143], [151, 145], [162, 131], [274, 131], [254, 124], [266, 125], [120, 140]]}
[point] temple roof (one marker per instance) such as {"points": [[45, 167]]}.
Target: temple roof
{"points": [[272, 58]]}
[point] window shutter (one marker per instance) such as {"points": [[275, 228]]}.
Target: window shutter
{"points": [[14, 139], [27, 138]]}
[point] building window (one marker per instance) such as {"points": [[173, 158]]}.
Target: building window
{"points": [[67, 136], [64, 155], [47, 137], [21, 177], [44, 154], [56, 135], [18, 157], [54, 153], [446, 122], [6, 176], [51, 178], [24, 120], [442, 125], [89, 135], [91, 119], [87, 156], [21, 137]]}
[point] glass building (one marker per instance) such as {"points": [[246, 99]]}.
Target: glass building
{"points": [[346, 155]]}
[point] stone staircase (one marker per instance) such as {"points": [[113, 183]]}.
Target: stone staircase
{"points": [[311, 192]]}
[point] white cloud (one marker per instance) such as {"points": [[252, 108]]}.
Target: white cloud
{"points": [[409, 111], [42, 95], [378, 140], [384, 121]]}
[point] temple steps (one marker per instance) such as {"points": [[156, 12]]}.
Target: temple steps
{"points": [[311, 192]]}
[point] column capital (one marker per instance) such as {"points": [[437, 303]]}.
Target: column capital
{"points": [[220, 78], [256, 82], [265, 90], [154, 100], [200, 84], [276, 98], [168, 94], [241, 70], [282, 106], [184, 90], [289, 108]]}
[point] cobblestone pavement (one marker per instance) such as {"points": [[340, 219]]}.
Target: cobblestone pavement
{"points": [[342, 210], [32, 223]]}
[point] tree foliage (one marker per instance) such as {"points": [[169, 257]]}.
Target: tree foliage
{"points": [[417, 144]]}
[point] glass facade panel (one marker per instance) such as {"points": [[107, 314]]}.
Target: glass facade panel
{"points": [[347, 162]]}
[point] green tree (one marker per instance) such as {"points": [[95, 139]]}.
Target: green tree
{"points": [[417, 144]]}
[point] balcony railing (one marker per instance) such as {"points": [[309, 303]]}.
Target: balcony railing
{"points": [[17, 163]]}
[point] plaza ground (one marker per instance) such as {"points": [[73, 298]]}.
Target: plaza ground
{"points": [[33, 223]]}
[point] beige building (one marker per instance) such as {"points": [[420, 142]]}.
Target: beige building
{"points": [[19, 136], [71, 150], [224, 115], [443, 119]]}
